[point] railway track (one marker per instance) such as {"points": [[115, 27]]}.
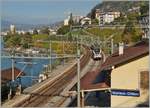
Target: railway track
{"points": [[54, 88]]}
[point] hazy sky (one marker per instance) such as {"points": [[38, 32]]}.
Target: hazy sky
{"points": [[44, 11]]}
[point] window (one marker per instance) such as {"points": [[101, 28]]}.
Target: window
{"points": [[144, 80]]}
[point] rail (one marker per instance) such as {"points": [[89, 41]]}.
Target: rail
{"points": [[54, 88]]}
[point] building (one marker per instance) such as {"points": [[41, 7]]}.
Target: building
{"points": [[106, 17], [134, 9], [12, 29], [30, 31], [127, 72], [52, 31], [115, 14], [20, 32], [4, 33], [85, 21], [97, 13], [6, 74], [76, 19], [6, 77], [126, 67], [66, 22], [124, 77], [144, 23]]}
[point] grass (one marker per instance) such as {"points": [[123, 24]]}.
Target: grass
{"points": [[40, 37], [103, 34], [69, 48]]}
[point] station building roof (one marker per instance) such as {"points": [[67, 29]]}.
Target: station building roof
{"points": [[131, 53]]}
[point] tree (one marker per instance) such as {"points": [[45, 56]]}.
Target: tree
{"points": [[35, 31], [63, 30], [13, 41], [129, 27], [93, 14], [95, 21], [27, 33], [45, 30], [71, 19], [144, 9]]}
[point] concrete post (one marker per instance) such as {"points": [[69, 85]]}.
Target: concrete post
{"points": [[50, 56], [82, 98], [112, 46], [78, 73], [10, 92], [78, 78]]}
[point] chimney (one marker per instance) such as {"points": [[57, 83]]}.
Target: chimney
{"points": [[121, 48]]}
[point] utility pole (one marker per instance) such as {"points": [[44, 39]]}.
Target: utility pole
{"points": [[63, 52], [78, 73], [50, 60], [112, 45], [13, 79], [13, 69]]}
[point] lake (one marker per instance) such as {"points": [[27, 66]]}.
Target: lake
{"points": [[29, 70]]}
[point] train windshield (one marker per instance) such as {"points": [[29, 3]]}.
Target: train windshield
{"points": [[97, 50]]}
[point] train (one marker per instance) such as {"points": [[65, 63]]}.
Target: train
{"points": [[96, 54]]}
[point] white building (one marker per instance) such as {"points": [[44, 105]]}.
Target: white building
{"points": [[20, 31], [4, 33], [38, 31], [97, 13], [115, 14], [85, 20], [66, 22], [12, 29], [30, 31], [77, 18], [52, 32], [108, 18]]}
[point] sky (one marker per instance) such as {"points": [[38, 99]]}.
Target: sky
{"points": [[43, 11]]}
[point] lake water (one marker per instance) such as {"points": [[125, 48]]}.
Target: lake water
{"points": [[29, 70]]}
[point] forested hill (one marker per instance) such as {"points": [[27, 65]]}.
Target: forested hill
{"points": [[121, 6]]}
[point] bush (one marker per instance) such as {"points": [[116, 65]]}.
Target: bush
{"points": [[63, 30]]}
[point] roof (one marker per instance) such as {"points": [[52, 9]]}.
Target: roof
{"points": [[87, 81], [130, 53], [6, 74], [86, 18]]}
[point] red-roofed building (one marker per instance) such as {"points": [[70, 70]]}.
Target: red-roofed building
{"points": [[6, 77], [6, 74]]}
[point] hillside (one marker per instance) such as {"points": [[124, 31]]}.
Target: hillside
{"points": [[121, 6]]}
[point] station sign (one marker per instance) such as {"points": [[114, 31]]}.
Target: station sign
{"points": [[123, 92]]}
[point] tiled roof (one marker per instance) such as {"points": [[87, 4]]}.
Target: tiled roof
{"points": [[87, 81], [6, 75], [137, 50]]}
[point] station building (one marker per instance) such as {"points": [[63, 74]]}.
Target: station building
{"points": [[129, 72]]}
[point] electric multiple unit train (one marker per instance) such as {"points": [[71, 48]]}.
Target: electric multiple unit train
{"points": [[96, 53]]}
